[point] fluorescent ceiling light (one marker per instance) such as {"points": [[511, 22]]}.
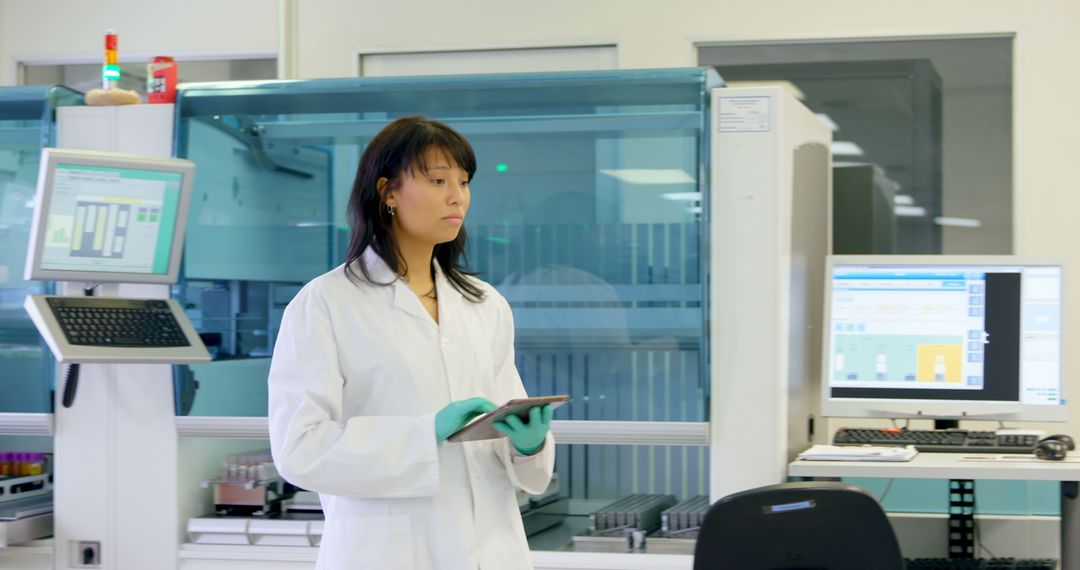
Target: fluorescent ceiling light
{"points": [[828, 121], [781, 83], [694, 210], [903, 200], [910, 211], [683, 196], [649, 175], [958, 222], [846, 148]]}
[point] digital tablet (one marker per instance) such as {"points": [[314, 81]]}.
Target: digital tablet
{"points": [[481, 427]]}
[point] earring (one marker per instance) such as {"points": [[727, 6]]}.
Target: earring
{"points": [[390, 209]]}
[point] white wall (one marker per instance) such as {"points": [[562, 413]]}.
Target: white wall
{"points": [[662, 34], [73, 31], [330, 33]]}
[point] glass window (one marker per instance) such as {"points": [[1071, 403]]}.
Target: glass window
{"points": [[586, 215], [26, 124], [922, 131]]}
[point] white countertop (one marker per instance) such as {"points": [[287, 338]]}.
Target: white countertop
{"points": [[947, 466]]}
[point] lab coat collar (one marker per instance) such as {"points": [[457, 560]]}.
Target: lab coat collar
{"points": [[403, 297], [378, 269]]}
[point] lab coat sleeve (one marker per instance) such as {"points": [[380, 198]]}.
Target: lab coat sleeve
{"points": [[531, 473], [318, 450]]}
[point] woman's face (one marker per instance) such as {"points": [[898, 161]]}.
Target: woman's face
{"points": [[429, 207]]}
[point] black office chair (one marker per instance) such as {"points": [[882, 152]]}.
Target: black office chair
{"points": [[798, 526]]}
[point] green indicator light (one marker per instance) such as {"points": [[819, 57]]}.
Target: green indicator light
{"points": [[110, 71], [501, 168], [498, 240]]}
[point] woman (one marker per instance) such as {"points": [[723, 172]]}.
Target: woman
{"points": [[381, 359]]}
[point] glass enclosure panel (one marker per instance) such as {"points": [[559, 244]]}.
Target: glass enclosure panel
{"points": [[586, 215], [588, 478], [26, 124], [591, 477], [992, 497], [929, 120]]}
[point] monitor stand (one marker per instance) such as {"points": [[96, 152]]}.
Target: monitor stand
{"points": [[117, 469], [961, 534]]}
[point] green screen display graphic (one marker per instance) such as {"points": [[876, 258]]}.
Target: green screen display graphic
{"points": [[108, 219]]}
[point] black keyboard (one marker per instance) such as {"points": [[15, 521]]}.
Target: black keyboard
{"points": [[948, 441], [105, 321], [980, 564]]}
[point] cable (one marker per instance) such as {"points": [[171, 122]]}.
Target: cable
{"points": [[71, 383], [71, 377], [885, 493], [978, 538], [975, 528]]}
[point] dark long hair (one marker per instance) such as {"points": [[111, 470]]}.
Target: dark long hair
{"points": [[399, 148]]}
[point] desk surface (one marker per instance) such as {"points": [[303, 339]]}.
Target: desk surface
{"points": [[946, 466]]}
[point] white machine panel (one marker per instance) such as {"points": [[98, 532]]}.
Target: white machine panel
{"points": [[771, 181]]}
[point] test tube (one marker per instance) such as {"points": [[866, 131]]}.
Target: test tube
{"points": [[5, 464], [36, 465]]}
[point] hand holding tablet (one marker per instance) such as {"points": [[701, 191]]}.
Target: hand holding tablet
{"points": [[481, 428]]}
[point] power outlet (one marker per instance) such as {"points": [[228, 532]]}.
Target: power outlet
{"points": [[87, 554]]}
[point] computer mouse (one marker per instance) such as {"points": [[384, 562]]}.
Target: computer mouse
{"points": [[1067, 440], [1051, 449]]}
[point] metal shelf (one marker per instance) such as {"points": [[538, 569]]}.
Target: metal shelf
{"points": [[24, 530]]}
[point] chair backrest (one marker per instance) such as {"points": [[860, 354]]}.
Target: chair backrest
{"points": [[804, 526]]}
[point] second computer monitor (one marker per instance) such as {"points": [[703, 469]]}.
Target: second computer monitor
{"points": [[943, 337], [103, 216]]}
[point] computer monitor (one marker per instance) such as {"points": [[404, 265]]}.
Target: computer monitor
{"points": [[108, 217], [943, 337]]}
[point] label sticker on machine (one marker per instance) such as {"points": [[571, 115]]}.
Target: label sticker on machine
{"points": [[744, 115], [788, 507]]}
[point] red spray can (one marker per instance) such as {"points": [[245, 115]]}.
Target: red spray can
{"points": [[161, 80]]}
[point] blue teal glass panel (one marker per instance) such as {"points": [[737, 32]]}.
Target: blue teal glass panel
{"points": [[587, 215], [992, 497], [27, 123]]}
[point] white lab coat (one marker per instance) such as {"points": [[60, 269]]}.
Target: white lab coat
{"points": [[357, 375]]}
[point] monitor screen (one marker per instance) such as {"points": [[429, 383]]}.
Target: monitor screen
{"points": [[108, 217], [943, 337]]}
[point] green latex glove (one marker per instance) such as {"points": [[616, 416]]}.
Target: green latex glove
{"points": [[456, 414], [527, 438]]}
